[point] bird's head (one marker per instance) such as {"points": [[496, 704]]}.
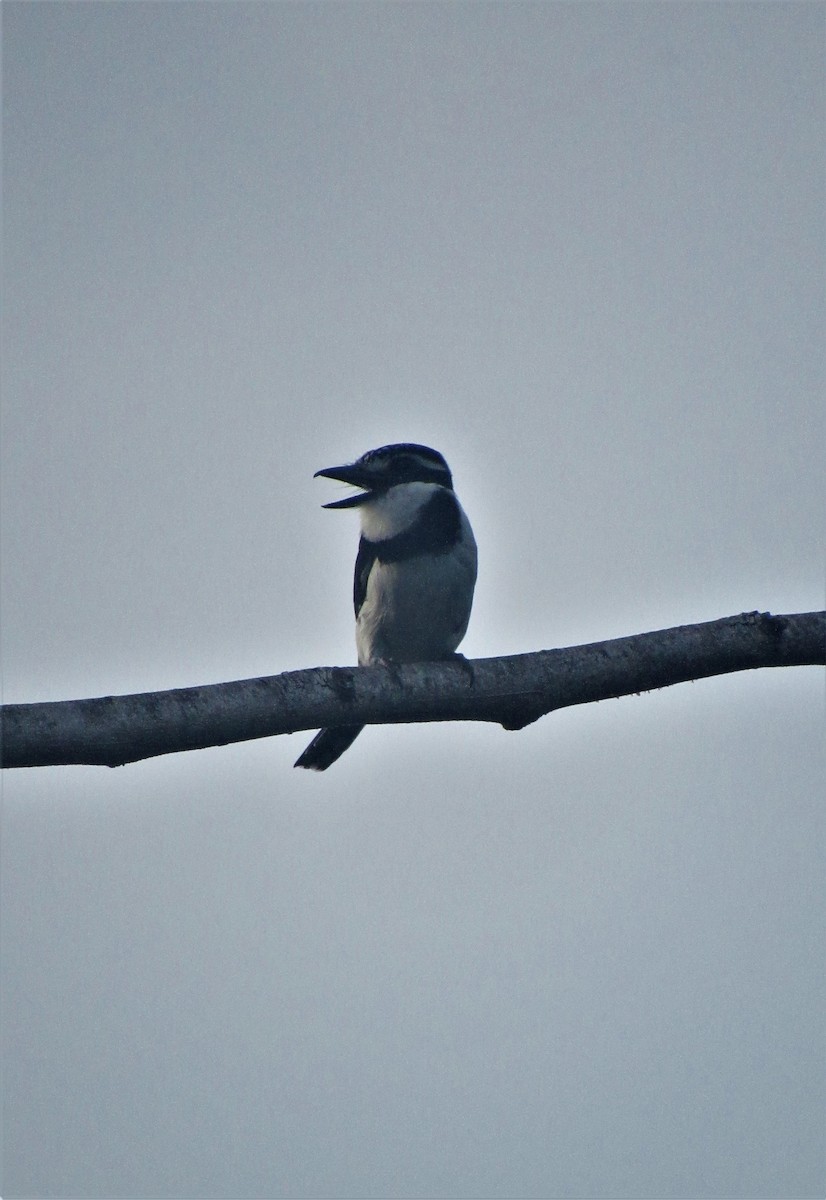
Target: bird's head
{"points": [[379, 470]]}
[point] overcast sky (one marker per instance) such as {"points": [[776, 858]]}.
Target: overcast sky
{"points": [[579, 249]]}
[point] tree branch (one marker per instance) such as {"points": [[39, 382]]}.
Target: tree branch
{"points": [[512, 691]]}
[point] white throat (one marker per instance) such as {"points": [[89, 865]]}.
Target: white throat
{"points": [[395, 510]]}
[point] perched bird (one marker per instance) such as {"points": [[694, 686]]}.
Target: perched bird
{"points": [[415, 568]]}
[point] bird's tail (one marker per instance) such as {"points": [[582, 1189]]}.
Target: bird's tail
{"points": [[327, 746]]}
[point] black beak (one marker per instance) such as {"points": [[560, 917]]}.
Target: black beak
{"points": [[353, 474]]}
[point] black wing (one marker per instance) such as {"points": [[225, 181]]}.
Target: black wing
{"points": [[364, 565]]}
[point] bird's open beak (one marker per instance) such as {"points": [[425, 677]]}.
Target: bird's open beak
{"points": [[354, 475]]}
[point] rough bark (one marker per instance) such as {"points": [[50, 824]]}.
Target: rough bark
{"points": [[511, 691]]}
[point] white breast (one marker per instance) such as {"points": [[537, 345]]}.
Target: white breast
{"points": [[416, 610]]}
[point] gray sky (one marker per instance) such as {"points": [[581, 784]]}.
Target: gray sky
{"points": [[577, 248]]}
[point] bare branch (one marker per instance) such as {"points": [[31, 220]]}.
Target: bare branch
{"points": [[512, 691]]}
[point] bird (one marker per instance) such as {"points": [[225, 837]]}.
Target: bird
{"points": [[415, 569]]}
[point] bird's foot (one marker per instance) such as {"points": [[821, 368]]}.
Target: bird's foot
{"points": [[393, 667], [466, 665]]}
